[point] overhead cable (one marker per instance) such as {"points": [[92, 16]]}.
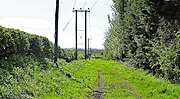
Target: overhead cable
{"points": [[84, 4], [94, 4], [67, 23], [74, 3]]}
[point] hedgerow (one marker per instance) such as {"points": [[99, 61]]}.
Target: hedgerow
{"points": [[16, 42]]}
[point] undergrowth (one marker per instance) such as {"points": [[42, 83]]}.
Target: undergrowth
{"points": [[36, 77]]}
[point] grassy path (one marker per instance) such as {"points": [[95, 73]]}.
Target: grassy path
{"points": [[113, 80], [127, 85], [117, 86], [26, 77]]}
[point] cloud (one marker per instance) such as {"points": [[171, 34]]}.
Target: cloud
{"points": [[30, 25], [46, 28]]}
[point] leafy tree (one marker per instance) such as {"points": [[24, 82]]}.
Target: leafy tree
{"points": [[144, 33]]}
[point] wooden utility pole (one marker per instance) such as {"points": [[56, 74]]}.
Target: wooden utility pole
{"points": [[85, 31], [85, 35], [56, 32], [76, 53]]}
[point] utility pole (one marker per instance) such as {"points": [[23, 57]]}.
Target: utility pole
{"points": [[85, 34], [76, 35], [56, 31], [85, 30]]}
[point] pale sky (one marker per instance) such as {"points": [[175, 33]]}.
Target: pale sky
{"points": [[37, 17]]}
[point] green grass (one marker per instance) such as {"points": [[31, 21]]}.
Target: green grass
{"points": [[28, 77]]}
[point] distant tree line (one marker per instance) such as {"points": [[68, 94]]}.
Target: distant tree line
{"points": [[16, 42], [146, 33]]}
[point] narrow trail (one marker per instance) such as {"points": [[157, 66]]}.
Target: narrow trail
{"points": [[128, 85], [98, 93]]}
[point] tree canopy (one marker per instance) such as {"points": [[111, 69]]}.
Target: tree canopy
{"points": [[146, 34]]}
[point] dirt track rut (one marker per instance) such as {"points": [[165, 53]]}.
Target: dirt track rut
{"points": [[98, 93]]}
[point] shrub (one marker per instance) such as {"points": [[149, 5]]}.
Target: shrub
{"points": [[16, 42]]}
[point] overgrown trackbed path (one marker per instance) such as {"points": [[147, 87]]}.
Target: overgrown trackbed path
{"points": [[110, 84], [40, 78], [105, 79]]}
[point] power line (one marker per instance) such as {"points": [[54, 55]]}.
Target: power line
{"points": [[81, 16], [67, 23], [89, 25], [89, 19], [71, 17], [94, 4], [84, 4], [74, 3]]}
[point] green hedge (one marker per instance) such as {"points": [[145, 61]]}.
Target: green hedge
{"points": [[16, 42]]}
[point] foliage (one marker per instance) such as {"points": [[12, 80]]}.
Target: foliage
{"points": [[144, 33], [80, 56], [16, 42], [37, 77]]}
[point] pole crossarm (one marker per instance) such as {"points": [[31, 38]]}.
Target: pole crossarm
{"points": [[81, 10]]}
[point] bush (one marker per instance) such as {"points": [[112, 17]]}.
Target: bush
{"points": [[169, 61], [16, 42]]}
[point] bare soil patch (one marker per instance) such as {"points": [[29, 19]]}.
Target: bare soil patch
{"points": [[98, 93]]}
